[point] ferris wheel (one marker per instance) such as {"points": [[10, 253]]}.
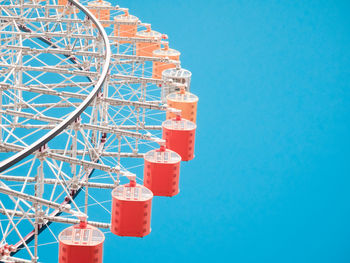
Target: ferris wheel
{"points": [[96, 116]]}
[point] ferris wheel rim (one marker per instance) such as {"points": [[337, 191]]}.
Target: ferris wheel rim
{"points": [[12, 160]]}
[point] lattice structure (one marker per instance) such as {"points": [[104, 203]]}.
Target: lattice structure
{"points": [[83, 95]]}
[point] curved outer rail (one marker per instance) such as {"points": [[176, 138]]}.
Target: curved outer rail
{"points": [[76, 113]]}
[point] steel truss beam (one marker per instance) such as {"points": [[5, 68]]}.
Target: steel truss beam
{"points": [[110, 101], [47, 69], [76, 36], [51, 126], [57, 219], [9, 259], [86, 164], [57, 51], [67, 52], [107, 129], [36, 200], [54, 181]]}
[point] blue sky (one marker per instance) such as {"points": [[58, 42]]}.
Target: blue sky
{"points": [[270, 179]]}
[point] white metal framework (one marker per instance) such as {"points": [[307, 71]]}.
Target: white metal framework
{"points": [[78, 110]]}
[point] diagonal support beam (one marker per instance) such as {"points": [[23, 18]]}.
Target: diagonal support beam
{"points": [[36, 200]]}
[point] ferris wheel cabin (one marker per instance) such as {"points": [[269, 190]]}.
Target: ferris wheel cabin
{"points": [[131, 210], [179, 136], [179, 76], [165, 52], [146, 48], [162, 171], [126, 26], [81, 243], [64, 3], [100, 14], [184, 101]]}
